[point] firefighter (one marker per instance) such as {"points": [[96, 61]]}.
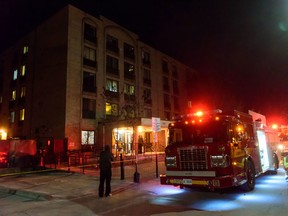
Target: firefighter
{"points": [[285, 164]]}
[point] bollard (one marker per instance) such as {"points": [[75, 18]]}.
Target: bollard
{"points": [[136, 175], [156, 165], [121, 167], [69, 163]]}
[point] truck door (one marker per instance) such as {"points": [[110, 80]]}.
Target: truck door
{"points": [[263, 151]]}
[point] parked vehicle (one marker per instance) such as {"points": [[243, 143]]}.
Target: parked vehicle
{"points": [[217, 150]]}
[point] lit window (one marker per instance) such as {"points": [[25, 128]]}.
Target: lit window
{"points": [[111, 109], [25, 49], [12, 117], [15, 74], [23, 92], [129, 89], [112, 85], [89, 54], [87, 137], [23, 71], [22, 115], [13, 95]]}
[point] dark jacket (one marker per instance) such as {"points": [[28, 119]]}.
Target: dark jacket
{"points": [[105, 159]]}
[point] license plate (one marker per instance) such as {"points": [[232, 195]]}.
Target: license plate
{"points": [[187, 181]]}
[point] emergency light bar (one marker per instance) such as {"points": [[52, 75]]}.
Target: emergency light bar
{"points": [[198, 114]]}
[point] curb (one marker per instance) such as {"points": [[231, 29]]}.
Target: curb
{"points": [[26, 194]]}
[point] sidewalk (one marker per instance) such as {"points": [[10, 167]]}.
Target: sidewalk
{"points": [[56, 184], [59, 183]]}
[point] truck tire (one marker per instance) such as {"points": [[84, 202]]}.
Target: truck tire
{"points": [[250, 176], [275, 164]]}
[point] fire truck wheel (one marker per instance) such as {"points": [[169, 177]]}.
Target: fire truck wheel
{"points": [[275, 163], [250, 176]]}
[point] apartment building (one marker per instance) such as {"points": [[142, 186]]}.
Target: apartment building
{"points": [[91, 81]]}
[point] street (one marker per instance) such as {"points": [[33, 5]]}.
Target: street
{"points": [[270, 197]]}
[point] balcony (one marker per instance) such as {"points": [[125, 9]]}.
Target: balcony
{"points": [[146, 63], [87, 88], [166, 87], [12, 104], [112, 95], [90, 39], [112, 71], [112, 48], [89, 63], [129, 76], [167, 105], [88, 114], [147, 82], [129, 98], [21, 101]]}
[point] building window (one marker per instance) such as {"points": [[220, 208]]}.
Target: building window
{"points": [[12, 117], [129, 51], [90, 33], [87, 137], [22, 115], [89, 57], [174, 71], [176, 104], [147, 96], [112, 109], [165, 67], [166, 86], [13, 96], [88, 108], [23, 70], [129, 89], [112, 44], [175, 87], [23, 92], [25, 49], [112, 85], [167, 104], [112, 65], [147, 113], [129, 92], [129, 71], [167, 115], [146, 58], [147, 77], [15, 74], [89, 82]]}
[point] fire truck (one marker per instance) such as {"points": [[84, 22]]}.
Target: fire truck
{"points": [[216, 150]]}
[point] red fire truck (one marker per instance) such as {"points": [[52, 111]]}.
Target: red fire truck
{"points": [[217, 150]]}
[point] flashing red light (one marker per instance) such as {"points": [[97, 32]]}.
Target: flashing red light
{"points": [[274, 126], [198, 113]]}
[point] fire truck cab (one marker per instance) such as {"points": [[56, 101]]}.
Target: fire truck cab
{"points": [[217, 150]]}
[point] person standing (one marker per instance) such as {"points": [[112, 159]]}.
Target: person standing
{"points": [[105, 171]]}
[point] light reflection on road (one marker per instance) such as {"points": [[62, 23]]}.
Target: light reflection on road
{"points": [[268, 191]]}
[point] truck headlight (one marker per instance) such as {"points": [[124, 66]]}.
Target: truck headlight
{"points": [[219, 161], [171, 161]]}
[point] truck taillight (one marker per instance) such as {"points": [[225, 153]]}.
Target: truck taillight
{"points": [[219, 161], [171, 161]]}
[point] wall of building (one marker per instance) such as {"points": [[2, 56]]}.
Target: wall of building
{"points": [[56, 68]]}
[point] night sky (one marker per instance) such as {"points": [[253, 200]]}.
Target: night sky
{"points": [[238, 47]]}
